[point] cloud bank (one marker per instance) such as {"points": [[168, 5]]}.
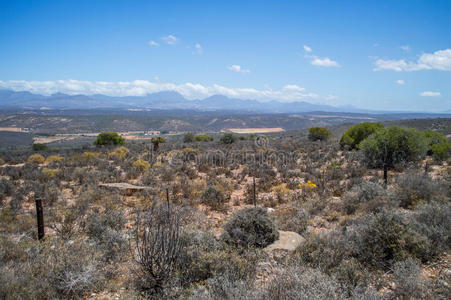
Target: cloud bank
{"points": [[288, 93], [439, 60]]}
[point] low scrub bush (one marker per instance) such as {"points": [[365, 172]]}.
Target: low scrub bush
{"points": [[213, 198], [36, 159], [413, 189], [250, 227], [387, 237]]}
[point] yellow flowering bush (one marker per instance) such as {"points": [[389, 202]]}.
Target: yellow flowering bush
{"points": [[308, 186], [141, 165], [50, 173], [53, 158], [36, 159], [119, 153]]}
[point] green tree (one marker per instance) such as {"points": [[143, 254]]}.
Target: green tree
{"points": [[156, 141], [39, 147], [319, 134], [394, 145], [228, 138], [109, 138], [357, 133]]}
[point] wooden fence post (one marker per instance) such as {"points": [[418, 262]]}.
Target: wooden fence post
{"points": [[40, 218]]}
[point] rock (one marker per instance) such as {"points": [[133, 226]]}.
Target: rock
{"points": [[288, 241]]}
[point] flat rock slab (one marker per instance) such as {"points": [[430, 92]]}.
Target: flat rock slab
{"points": [[123, 186], [288, 241]]}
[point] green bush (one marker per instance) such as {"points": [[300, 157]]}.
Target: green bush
{"points": [[319, 134], [188, 137], [392, 146], [204, 138], [108, 138], [39, 147], [441, 151], [357, 133], [228, 138], [250, 227]]}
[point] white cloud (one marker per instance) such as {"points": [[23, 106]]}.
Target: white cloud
{"points": [[430, 94], [199, 49], [293, 87], [400, 82], [237, 68], [153, 44], [189, 90], [170, 39], [331, 97], [307, 48], [323, 62], [405, 47], [439, 60]]}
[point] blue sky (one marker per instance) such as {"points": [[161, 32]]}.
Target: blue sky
{"points": [[391, 55]]}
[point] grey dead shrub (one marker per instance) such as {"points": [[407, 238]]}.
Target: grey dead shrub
{"points": [[157, 249], [408, 281]]}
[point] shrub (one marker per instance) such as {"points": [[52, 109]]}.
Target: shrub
{"points": [[433, 222], [188, 137], [50, 173], [416, 188], [141, 165], [393, 145], [295, 282], [408, 281], [228, 138], [157, 249], [120, 152], [319, 134], [357, 133], [36, 159], [322, 251], [213, 197], [250, 227], [387, 237], [204, 138], [2, 162], [362, 193], [53, 159], [6, 188], [39, 147], [109, 138], [292, 218], [441, 151]]}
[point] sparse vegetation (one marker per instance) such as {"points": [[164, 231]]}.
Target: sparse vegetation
{"points": [[182, 222]]}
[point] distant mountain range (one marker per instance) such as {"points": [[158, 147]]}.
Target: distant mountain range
{"points": [[167, 100]]}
